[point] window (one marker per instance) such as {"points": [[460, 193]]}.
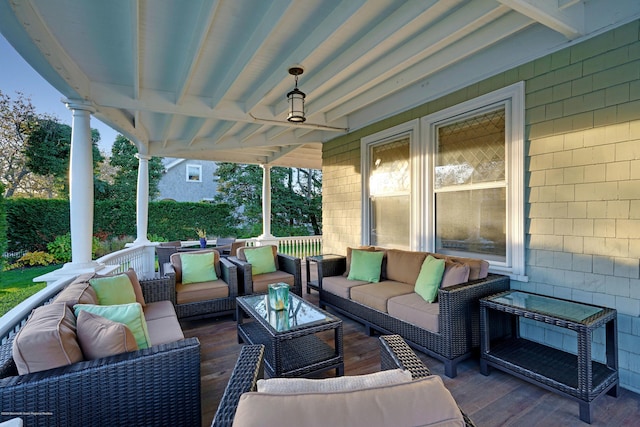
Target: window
{"points": [[475, 180], [194, 173], [387, 166], [451, 182]]}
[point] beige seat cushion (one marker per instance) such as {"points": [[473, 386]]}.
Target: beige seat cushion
{"points": [[425, 402], [261, 281], [48, 340], [413, 309], [162, 323], [202, 291], [340, 285], [404, 266], [176, 262], [376, 295], [101, 337]]}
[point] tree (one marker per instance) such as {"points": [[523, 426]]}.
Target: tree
{"points": [[17, 119], [125, 180], [296, 199]]}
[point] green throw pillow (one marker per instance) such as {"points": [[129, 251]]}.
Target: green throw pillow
{"points": [[261, 260], [365, 265], [198, 268], [429, 279], [113, 290], [129, 314]]}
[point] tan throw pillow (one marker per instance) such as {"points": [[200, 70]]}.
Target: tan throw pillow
{"points": [[48, 340], [454, 274], [101, 337], [417, 403], [330, 385], [77, 293]]}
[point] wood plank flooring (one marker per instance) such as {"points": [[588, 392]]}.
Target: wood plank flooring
{"points": [[495, 400]]}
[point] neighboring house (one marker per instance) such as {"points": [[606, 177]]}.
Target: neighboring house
{"points": [[188, 180]]}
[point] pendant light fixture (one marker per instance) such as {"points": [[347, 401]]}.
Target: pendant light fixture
{"points": [[296, 99]]}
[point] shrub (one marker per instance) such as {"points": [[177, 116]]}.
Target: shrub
{"points": [[31, 259], [60, 248]]}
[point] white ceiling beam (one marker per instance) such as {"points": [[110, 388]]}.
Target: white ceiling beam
{"points": [[195, 49], [136, 57], [569, 22], [474, 43], [311, 43], [282, 153], [268, 24], [437, 37]]}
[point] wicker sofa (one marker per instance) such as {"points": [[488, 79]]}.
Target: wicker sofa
{"points": [[394, 354], [156, 386], [448, 330]]}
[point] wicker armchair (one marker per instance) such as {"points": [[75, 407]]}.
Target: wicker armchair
{"points": [[288, 265], [394, 353], [227, 273], [127, 389]]}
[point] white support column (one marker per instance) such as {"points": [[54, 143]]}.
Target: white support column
{"points": [[266, 238], [142, 202]]}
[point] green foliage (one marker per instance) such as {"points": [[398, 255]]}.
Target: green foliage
{"points": [[60, 248], [296, 199], [111, 244], [125, 181], [31, 259], [156, 238], [34, 223]]}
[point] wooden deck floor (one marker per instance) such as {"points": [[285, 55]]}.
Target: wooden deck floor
{"points": [[496, 400]]}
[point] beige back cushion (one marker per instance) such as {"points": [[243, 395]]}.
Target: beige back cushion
{"points": [[404, 266], [176, 262], [48, 340], [425, 402], [478, 268], [454, 273], [78, 292], [331, 385], [242, 257]]}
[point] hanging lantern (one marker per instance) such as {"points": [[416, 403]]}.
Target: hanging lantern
{"points": [[296, 99]]}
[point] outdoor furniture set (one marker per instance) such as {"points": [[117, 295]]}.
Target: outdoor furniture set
{"points": [[404, 393], [386, 300], [71, 362]]}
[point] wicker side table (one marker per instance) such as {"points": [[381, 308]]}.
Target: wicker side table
{"points": [[576, 376]]}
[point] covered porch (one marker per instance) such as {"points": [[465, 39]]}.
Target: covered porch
{"points": [[565, 74]]}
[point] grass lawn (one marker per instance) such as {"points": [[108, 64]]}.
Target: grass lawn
{"points": [[17, 285]]}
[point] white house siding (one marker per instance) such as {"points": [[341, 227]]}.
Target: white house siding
{"points": [[582, 182], [174, 186]]}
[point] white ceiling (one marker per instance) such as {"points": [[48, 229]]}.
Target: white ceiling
{"points": [[207, 79]]}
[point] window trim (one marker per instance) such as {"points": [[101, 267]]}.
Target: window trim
{"points": [[512, 97], [404, 130], [198, 167]]}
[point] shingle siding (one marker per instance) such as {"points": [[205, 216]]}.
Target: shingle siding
{"points": [[582, 182]]}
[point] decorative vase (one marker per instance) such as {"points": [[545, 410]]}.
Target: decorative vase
{"points": [[279, 296], [203, 242]]}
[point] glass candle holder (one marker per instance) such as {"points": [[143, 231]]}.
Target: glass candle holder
{"points": [[279, 296]]}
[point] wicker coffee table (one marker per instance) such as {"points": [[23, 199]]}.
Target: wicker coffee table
{"points": [[292, 345], [573, 374]]}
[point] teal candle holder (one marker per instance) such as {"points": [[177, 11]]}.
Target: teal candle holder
{"points": [[279, 296]]}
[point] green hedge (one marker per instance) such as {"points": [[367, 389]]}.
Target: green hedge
{"points": [[32, 223]]}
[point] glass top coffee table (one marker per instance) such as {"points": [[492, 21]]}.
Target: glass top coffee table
{"points": [[574, 373], [295, 339]]}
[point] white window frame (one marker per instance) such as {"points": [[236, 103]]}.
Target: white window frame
{"points": [[405, 130], [512, 98], [198, 167]]}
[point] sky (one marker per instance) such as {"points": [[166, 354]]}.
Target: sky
{"points": [[17, 75]]}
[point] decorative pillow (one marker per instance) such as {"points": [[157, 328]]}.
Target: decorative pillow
{"points": [[429, 278], [133, 277], [78, 293], [365, 266], [261, 260], [198, 268], [360, 248], [129, 314], [330, 385], [101, 337], [113, 290], [48, 340], [454, 274]]}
